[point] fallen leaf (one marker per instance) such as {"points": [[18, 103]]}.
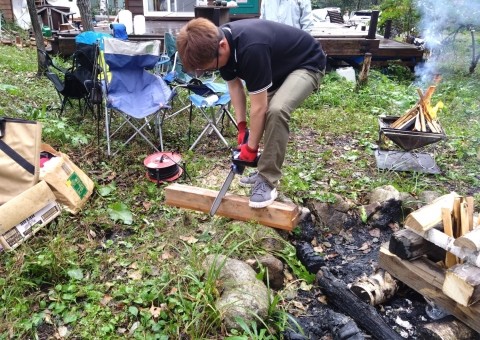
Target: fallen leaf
{"points": [[364, 246], [105, 300], [332, 256], [318, 249], [155, 311], [92, 233], [305, 286], [62, 331], [298, 305], [134, 265], [135, 274], [374, 232], [147, 205], [134, 327], [172, 291], [189, 239], [322, 299], [166, 255]]}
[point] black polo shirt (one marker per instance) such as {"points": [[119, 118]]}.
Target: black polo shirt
{"points": [[263, 53]]}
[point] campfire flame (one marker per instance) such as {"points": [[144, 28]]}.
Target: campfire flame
{"points": [[422, 116]]}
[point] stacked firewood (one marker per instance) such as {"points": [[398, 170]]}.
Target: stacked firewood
{"points": [[422, 116], [460, 238]]}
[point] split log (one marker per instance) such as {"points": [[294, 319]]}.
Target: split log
{"points": [[364, 314], [450, 259], [446, 242], [375, 289], [462, 284], [470, 240], [408, 245], [430, 215], [446, 329], [470, 209]]}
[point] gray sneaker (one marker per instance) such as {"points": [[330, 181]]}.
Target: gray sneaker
{"points": [[262, 194], [249, 181]]}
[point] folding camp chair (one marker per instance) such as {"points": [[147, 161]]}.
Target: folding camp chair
{"points": [[212, 99], [69, 83], [135, 97]]}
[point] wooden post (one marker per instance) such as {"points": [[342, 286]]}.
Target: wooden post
{"points": [[363, 76], [372, 29], [388, 29]]}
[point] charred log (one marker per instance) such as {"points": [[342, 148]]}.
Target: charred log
{"points": [[364, 314]]}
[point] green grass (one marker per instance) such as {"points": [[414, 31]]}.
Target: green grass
{"points": [[128, 265]]}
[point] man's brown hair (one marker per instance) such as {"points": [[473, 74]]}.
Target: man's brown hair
{"points": [[197, 43]]}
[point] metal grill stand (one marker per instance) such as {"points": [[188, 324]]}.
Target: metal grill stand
{"points": [[406, 160]]}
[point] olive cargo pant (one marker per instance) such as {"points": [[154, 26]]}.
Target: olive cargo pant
{"points": [[281, 103]]}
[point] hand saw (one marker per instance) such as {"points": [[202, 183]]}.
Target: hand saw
{"points": [[236, 168]]}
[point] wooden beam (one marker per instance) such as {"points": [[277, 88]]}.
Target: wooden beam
{"points": [[277, 215], [427, 278], [462, 284]]}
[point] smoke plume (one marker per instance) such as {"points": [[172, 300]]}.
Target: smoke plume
{"points": [[438, 17]]}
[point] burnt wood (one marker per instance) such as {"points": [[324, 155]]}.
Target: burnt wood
{"points": [[408, 245], [342, 298]]}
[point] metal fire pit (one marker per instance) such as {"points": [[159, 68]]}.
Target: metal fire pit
{"points": [[408, 141]]}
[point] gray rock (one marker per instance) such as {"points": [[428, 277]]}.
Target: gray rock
{"points": [[274, 267], [383, 193]]}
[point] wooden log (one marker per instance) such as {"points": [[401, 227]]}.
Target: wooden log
{"points": [[375, 289], [408, 245], [470, 240], [427, 278], [446, 242], [456, 217], [446, 329], [462, 284], [364, 314], [278, 215], [430, 215], [450, 259]]}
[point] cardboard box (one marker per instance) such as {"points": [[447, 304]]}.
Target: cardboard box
{"points": [[70, 185], [22, 216]]}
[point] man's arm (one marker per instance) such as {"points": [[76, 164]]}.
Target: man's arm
{"points": [[258, 110], [239, 99]]}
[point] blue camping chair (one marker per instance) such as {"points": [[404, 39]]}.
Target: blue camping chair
{"points": [[135, 97]]}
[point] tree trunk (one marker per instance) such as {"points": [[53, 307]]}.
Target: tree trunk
{"points": [[37, 31], [86, 13]]}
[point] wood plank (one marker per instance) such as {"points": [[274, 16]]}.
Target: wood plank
{"points": [[427, 278], [462, 284], [430, 215], [277, 215], [470, 208]]}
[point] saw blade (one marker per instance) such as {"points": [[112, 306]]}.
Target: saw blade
{"points": [[222, 192]]}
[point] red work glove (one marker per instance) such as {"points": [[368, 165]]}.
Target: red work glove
{"points": [[247, 154], [242, 128]]}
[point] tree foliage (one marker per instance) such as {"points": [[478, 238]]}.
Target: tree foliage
{"points": [[403, 14]]}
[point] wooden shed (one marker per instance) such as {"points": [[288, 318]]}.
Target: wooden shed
{"points": [[6, 9]]}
